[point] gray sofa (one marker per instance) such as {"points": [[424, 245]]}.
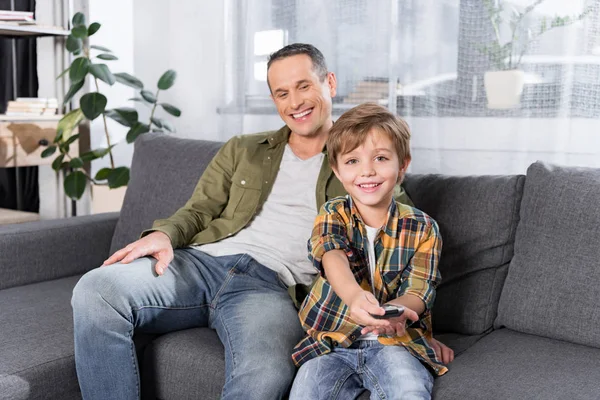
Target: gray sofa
{"points": [[520, 267]]}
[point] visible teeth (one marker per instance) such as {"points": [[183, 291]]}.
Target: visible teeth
{"points": [[369, 185], [302, 114]]}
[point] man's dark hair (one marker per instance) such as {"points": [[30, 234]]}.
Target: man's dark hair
{"points": [[294, 49]]}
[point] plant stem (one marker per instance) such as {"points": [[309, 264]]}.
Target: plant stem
{"points": [[112, 161], [82, 170], [154, 107]]}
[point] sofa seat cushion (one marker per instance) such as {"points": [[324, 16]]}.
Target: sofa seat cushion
{"points": [[511, 365], [188, 364], [164, 173], [478, 217], [553, 283], [36, 341]]}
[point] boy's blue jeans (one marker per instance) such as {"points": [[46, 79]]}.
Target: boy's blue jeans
{"points": [[388, 372], [244, 301]]}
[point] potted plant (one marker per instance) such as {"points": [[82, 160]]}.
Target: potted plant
{"points": [[93, 105], [504, 84]]}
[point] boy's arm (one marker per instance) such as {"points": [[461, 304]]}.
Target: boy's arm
{"points": [[329, 249], [361, 303]]}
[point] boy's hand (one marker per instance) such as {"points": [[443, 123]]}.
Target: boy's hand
{"points": [[397, 325], [362, 306]]}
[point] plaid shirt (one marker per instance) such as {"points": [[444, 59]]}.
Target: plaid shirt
{"points": [[407, 250]]}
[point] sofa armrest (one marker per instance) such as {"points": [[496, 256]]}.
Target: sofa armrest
{"points": [[43, 250]]}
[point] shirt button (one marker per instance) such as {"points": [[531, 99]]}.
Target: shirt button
{"points": [[335, 344], [352, 337], [229, 234], [243, 182], [266, 181], [268, 158]]}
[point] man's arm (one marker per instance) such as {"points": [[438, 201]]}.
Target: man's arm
{"points": [[207, 202]]}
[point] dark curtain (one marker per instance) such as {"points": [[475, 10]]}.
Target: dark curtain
{"points": [[27, 86]]}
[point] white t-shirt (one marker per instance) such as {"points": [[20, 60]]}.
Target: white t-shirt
{"points": [[371, 235], [277, 236]]}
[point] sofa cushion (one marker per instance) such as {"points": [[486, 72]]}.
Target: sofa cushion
{"points": [[188, 364], [164, 172], [36, 342], [512, 365], [477, 218], [553, 283]]}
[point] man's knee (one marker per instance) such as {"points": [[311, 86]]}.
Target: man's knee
{"points": [[97, 289]]}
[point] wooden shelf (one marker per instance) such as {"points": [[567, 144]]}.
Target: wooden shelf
{"points": [[31, 30], [29, 118]]}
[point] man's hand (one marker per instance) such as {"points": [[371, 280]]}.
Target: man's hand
{"points": [[442, 352], [362, 306], [157, 245], [397, 325]]}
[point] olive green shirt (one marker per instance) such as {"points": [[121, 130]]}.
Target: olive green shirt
{"points": [[234, 187]]}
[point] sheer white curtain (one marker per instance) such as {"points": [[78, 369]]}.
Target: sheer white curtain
{"points": [[426, 60]]}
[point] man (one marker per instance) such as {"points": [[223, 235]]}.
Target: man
{"points": [[240, 243]]}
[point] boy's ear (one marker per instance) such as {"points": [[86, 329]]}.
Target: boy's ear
{"points": [[403, 168], [335, 171]]}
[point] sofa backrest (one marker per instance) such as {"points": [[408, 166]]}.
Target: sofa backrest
{"points": [[477, 217], [164, 172], [553, 283]]}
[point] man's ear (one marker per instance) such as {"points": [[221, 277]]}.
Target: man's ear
{"points": [[332, 82]]}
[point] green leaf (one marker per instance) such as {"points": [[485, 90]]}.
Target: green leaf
{"points": [[107, 56], [75, 87], [73, 44], [101, 48], [174, 111], [63, 73], [56, 164], [167, 80], [148, 96], [163, 123], [93, 28], [136, 131], [92, 105], [102, 72], [79, 69], [79, 32], [118, 177], [75, 184], [48, 151], [76, 163], [157, 121], [72, 138], [103, 174], [68, 123], [126, 116], [129, 80], [96, 154], [78, 19]]}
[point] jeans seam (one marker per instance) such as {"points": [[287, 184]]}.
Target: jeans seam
{"points": [[340, 382], [233, 361], [367, 372], [132, 348], [230, 274]]}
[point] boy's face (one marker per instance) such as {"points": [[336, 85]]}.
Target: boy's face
{"points": [[303, 101], [369, 174]]}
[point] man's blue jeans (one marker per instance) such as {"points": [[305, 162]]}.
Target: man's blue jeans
{"points": [[388, 372], [244, 301]]}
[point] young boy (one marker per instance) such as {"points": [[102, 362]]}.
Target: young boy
{"points": [[370, 251]]}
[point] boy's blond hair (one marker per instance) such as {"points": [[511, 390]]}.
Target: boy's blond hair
{"points": [[353, 127]]}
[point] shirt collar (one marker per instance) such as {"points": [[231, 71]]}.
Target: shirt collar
{"points": [[275, 138], [391, 225]]}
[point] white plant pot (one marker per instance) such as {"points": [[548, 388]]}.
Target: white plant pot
{"points": [[503, 88]]}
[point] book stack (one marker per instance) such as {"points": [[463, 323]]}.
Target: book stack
{"points": [[16, 16], [27, 106], [369, 90]]}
